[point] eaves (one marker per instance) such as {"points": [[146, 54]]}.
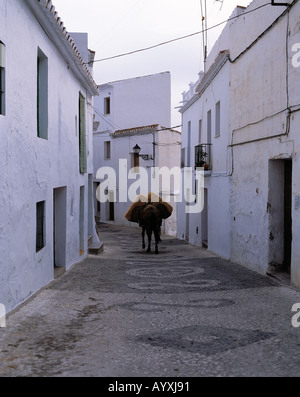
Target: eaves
{"points": [[187, 105], [45, 13], [207, 79], [135, 131]]}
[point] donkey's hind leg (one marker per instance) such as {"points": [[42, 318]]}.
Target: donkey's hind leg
{"points": [[143, 237], [157, 239], [149, 233]]}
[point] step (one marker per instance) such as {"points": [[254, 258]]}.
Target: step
{"points": [[59, 271], [96, 248]]}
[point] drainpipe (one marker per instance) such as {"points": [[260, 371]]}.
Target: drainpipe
{"points": [[153, 152]]}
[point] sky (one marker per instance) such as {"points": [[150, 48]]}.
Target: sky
{"points": [[115, 27]]}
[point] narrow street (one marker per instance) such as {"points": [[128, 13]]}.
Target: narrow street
{"points": [[126, 313]]}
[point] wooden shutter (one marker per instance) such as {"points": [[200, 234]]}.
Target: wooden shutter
{"points": [[82, 136]]}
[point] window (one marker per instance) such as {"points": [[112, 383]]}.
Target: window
{"points": [[200, 156], [42, 95], [203, 156], [82, 136], [40, 225], [189, 137], [218, 119], [182, 160], [2, 78], [200, 131], [107, 150], [209, 126], [107, 105]]}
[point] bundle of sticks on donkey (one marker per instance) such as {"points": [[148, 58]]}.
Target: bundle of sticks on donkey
{"points": [[149, 212]]}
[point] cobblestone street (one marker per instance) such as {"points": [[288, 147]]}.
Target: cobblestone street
{"points": [[126, 313]]}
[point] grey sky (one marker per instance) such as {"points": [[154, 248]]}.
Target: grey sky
{"points": [[120, 26]]}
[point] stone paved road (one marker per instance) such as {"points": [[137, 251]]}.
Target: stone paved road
{"points": [[127, 313]]}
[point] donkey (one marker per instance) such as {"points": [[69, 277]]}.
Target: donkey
{"points": [[150, 221], [149, 212]]}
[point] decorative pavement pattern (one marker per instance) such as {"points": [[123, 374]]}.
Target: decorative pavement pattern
{"points": [[126, 313]]}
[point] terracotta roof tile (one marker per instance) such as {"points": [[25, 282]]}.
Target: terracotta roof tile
{"points": [[52, 16]]}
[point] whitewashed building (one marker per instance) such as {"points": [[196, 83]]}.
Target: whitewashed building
{"points": [[134, 112], [265, 125], [205, 143], [46, 127], [253, 179], [205, 126]]}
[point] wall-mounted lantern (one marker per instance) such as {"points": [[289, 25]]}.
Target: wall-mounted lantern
{"points": [[136, 150]]}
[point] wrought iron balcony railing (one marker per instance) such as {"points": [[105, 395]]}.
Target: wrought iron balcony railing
{"points": [[203, 156]]}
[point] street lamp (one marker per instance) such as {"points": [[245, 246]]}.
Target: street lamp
{"points": [[136, 150]]}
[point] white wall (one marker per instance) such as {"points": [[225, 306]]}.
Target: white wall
{"points": [[262, 132], [137, 102], [167, 154], [122, 150], [33, 167], [294, 78], [106, 121], [262, 97], [143, 101], [217, 180]]}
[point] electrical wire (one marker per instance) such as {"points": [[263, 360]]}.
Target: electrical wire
{"points": [[169, 128], [115, 27], [102, 116], [178, 38]]}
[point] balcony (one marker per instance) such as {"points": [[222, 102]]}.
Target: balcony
{"points": [[203, 156]]}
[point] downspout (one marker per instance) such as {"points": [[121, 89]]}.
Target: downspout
{"points": [[153, 152]]}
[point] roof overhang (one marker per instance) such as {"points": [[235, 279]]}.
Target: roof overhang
{"points": [[53, 26], [209, 76], [149, 129]]}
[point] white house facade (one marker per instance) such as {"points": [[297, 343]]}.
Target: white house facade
{"points": [[265, 125], [159, 153], [46, 126], [206, 130], [253, 180], [134, 102], [128, 113]]}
